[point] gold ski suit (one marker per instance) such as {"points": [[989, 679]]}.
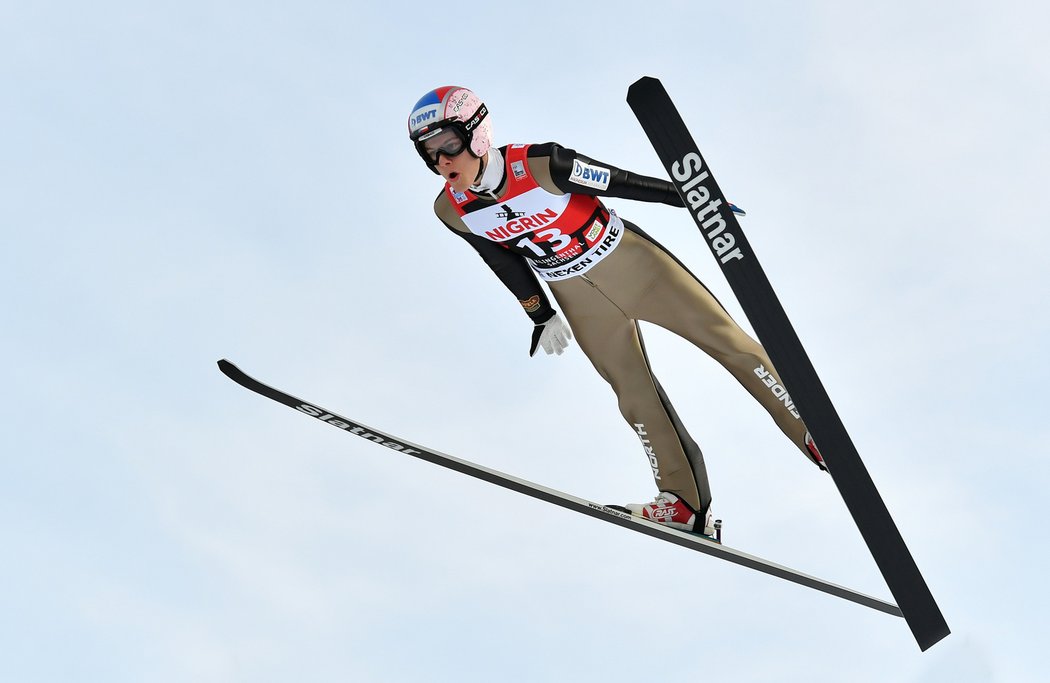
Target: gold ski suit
{"points": [[545, 221]]}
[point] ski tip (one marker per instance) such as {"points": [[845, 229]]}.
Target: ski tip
{"points": [[226, 366], [645, 80], [644, 83]]}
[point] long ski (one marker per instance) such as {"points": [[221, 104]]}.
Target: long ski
{"points": [[727, 242], [692, 541]]}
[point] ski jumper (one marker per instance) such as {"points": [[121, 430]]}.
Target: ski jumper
{"points": [[545, 221]]}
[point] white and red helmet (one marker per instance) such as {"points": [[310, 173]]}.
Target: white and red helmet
{"points": [[451, 108]]}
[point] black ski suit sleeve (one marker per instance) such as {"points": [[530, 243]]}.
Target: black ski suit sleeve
{"points": [[514, 273], [622, 184]]}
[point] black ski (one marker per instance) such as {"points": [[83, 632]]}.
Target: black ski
{"points": [[603, 512], [710, 211]]}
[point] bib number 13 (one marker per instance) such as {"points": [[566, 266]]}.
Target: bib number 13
{"points": [[553, 239]]}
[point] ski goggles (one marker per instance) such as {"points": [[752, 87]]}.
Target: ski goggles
{"points": [[448, 140]]}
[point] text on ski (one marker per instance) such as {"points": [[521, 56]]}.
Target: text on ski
{"points": [[698, 199]]}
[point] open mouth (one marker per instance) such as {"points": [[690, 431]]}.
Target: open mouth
{"points": [[453, 175]]}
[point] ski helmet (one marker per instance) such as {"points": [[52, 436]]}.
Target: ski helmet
{"points": [[451, 108]]}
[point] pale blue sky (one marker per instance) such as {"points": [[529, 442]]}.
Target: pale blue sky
{"points": [[185, 181]]}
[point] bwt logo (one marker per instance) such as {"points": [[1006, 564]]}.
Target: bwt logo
{"points": [[590, 173], [425, 116]]}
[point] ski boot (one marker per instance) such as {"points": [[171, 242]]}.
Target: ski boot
{"points": [[814, 454], [670, 510]]}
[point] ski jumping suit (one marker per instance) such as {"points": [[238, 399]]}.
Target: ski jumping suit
{"points": [[545, 219]]}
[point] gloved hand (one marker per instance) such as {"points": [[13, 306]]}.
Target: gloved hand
{"points": [[553, 336]]}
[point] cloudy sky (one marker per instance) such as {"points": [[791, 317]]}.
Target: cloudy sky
{"points": [[186, 181]]}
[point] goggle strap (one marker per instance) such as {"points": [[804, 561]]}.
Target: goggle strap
{"points": [[477, 118]]}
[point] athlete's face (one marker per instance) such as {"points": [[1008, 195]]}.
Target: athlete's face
{"points": [[458, 166]]}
